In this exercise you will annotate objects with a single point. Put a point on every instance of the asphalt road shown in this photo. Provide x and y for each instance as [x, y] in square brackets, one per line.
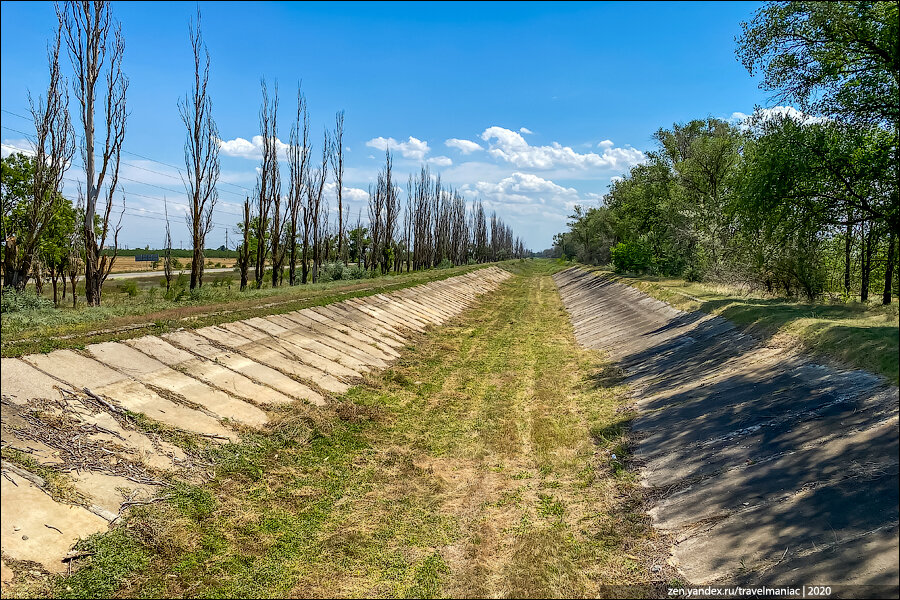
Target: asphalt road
[139, 274]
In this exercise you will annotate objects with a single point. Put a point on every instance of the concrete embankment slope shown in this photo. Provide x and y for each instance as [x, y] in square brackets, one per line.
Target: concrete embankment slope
[764, 466]
[72, 412]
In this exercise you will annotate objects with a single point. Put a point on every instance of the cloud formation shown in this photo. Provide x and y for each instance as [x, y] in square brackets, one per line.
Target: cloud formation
[242, 148]
[464, 146]
[440, 161]
[529, 189]
[511, 147]
[764, 114]
[413, 148]
[20, 146]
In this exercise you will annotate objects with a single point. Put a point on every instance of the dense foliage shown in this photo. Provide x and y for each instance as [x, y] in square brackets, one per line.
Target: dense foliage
[790, 202]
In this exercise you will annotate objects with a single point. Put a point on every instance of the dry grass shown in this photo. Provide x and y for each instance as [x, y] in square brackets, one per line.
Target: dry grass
[479, 465]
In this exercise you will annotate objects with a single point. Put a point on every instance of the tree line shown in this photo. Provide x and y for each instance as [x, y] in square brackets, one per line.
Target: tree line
[282, 229]
[800, 203]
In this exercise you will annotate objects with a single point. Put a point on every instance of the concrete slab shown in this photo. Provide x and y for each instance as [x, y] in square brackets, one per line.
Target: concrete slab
[361, 323]
[27, 513]
[110, 491]
[208, 371]
[22, 382]
[152, 372]
[343, 335]
[255, 371]
[76, 370]
[275, 358]
[760, 459]
[333, 343]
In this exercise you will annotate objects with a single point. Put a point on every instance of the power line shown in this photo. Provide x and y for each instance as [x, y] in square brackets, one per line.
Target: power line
[165, 164]
[220, 205]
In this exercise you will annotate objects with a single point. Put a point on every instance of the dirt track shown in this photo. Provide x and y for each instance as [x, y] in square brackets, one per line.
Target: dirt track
[764, 466]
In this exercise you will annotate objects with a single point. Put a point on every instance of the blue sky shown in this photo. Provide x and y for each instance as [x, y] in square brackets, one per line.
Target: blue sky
[558, 97]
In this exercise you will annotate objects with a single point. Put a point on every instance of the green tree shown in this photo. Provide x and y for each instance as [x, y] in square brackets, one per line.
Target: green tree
[833, 58]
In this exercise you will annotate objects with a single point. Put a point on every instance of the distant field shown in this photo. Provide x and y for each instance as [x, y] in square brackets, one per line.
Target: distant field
[128, 264]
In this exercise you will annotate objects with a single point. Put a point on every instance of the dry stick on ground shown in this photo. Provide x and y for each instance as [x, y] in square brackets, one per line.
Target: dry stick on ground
[86, 27]
[54, 146]
[201, 155]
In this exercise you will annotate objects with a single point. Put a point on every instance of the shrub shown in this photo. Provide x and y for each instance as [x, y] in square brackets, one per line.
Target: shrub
[354, 272]
[445, 264]
[334, 270]
[632, 256]
[14, 301]
[129, 287]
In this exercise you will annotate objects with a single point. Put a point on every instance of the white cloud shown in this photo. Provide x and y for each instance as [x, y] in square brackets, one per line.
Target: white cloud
[242, 148]
[348, 193]
[530, 193]
[761, 115]
[511, 147]
[20, 146]
[440, 161]
[464, 146]
[605, 144]
[413, 148]
[525, 130]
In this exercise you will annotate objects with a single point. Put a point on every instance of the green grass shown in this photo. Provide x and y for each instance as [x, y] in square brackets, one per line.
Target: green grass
[863, 336]
[471, 467]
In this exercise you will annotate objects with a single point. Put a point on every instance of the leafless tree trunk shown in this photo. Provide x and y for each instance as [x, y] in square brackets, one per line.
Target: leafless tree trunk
[54, 146]
[298, 156]
[268, 182]
[244, 249]
[337, 165]
[86, 27]
[76, 264]
[167, 253]
[201, 154]
[314, 205]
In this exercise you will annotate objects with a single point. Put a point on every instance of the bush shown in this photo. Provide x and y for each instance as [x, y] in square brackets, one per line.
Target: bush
[445, 264]
[354, 272]
[334, 270]
[14, 301]
[129, 287]
[633, 256]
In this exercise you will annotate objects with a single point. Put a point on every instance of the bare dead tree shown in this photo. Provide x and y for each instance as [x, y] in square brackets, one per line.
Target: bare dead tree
[314, 205]
[267, 181]
[87, 28]
[391, 212]
[54, 146]
[299, 178]
[337, 165]
[201, 154]
[244, 249]
[167, 253]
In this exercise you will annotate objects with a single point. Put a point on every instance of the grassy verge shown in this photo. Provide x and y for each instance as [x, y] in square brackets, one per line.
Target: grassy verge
[859, 335]
[123, 316]
[490, 460]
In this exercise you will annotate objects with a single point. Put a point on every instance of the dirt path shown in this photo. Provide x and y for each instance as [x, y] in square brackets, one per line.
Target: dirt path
[766, 467]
